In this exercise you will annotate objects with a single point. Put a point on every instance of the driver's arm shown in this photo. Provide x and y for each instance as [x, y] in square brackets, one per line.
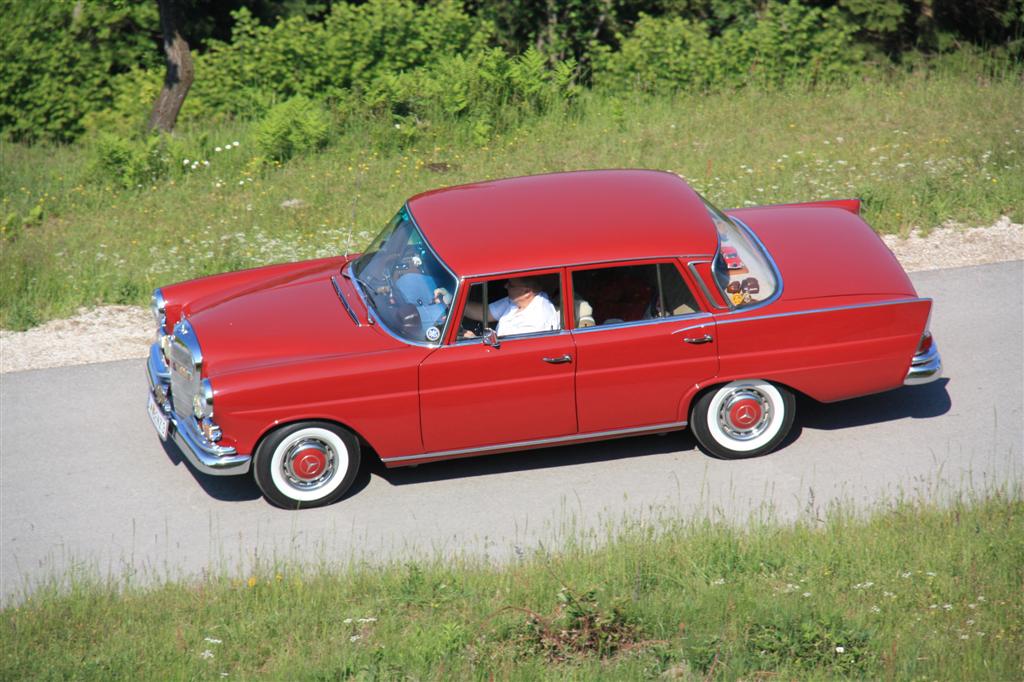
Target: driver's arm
[474, 311]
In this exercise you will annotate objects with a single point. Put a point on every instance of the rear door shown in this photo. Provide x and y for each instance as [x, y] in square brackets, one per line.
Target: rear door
[650, 343]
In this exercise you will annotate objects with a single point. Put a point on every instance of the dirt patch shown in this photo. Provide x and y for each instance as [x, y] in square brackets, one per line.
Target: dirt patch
[124, 332]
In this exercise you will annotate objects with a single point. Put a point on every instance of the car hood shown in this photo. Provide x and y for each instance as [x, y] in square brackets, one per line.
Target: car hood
[286, 318]
[824, 252]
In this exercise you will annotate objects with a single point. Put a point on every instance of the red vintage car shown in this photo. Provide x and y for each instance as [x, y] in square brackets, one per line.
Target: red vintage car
[530, 312]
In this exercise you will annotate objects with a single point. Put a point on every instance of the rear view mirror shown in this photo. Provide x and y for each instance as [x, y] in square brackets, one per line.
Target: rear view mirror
[490, 338]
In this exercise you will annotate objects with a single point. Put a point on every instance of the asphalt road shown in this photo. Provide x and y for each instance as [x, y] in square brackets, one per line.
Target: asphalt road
[85, 484]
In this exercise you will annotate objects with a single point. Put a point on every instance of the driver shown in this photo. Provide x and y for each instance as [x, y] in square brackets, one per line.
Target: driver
[525, 309]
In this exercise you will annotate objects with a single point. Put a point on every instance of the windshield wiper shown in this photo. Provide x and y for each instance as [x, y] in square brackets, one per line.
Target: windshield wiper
[368, 297]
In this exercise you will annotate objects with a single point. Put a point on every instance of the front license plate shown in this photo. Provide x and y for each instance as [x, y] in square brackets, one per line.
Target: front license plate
[160, 422]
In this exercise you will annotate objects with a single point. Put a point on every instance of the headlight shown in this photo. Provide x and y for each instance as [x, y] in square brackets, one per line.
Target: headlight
[158, 306]
[202, 402]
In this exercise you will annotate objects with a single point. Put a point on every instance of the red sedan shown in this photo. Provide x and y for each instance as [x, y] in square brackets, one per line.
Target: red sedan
[530, 312]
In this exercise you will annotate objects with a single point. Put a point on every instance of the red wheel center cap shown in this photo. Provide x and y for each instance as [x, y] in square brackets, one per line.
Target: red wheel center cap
[309, 464]
[745, 413]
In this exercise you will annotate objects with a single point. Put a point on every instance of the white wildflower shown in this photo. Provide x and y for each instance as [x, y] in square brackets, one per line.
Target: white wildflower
[235, 143]
[207, 654]
[718, 581]
[371, 619]
[185, 162]
[355, 638]
[347, 621]
[840, 650]
[212, 640]
[216, 149]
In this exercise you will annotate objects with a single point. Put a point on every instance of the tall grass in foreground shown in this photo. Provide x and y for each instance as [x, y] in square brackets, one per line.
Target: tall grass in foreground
[915, 591]
[920, 150]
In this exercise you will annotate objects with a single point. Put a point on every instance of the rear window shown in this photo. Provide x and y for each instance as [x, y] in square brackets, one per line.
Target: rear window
[742, 269]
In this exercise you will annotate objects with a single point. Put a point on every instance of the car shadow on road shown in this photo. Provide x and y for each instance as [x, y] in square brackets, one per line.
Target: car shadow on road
[242, 488]
[528, 460]
[910, 402]
[225, 488]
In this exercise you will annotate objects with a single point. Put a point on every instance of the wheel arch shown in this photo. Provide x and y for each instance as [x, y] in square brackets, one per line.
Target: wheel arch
[364, 445]
[700, 389]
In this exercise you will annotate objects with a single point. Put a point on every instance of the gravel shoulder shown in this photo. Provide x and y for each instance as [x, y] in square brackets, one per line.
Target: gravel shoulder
[109, 333]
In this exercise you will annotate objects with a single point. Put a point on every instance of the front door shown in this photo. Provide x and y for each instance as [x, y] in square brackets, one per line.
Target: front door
[520, 389]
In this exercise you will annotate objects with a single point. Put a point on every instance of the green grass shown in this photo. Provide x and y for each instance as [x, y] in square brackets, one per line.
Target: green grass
[912, 592]
[920, 150]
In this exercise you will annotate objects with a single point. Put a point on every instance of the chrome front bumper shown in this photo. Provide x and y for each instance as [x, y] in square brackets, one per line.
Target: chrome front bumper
[205, 456]
[925, 367]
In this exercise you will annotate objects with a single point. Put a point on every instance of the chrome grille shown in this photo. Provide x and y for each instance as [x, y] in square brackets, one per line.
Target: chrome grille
[186, 363]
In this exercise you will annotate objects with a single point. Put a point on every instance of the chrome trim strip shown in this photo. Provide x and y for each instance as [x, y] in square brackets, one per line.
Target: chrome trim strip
[854, 306]
[512, 273]
[704, 287]
[638, 323]
[513, 337]
[207, 457]
[924, 367]
[337, 290]
[542, 441]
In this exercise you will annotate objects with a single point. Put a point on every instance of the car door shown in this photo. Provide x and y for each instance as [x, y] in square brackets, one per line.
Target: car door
[650, 343]
[517, 388]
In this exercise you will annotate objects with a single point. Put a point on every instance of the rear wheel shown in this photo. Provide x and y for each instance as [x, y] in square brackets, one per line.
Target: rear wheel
[743, 418]
[309, 464]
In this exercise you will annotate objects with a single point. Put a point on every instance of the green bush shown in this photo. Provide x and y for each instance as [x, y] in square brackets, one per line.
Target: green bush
[132, 163]
[486, 86]
[787, 42]
[57, 61]
[293, 127]
[348, 51]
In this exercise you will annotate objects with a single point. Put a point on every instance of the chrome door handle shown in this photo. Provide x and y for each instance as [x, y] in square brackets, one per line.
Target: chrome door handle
[560, 360]
[701, 339]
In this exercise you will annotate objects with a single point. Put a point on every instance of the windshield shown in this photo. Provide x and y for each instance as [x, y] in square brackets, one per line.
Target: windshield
[404, 282]
[742, 268]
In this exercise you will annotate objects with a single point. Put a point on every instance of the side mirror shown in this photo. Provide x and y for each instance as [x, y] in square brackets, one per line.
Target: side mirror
[490, 338]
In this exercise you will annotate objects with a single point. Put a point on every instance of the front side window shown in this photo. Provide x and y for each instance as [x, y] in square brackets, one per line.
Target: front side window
[742, 268]
[630, 293]
[405, 283]
[512, 306]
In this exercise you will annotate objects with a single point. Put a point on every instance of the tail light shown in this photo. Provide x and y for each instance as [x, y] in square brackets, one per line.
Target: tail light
[926, 343]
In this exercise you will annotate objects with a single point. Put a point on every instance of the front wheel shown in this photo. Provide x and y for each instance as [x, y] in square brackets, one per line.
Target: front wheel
[309, 464]
[743, 418]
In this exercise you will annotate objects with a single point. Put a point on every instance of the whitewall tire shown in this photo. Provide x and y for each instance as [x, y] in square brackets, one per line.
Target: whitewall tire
[743, 418]
[309, 464]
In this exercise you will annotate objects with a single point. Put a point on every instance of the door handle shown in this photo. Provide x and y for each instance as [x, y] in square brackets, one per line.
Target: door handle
[700, 339]
[560, 360]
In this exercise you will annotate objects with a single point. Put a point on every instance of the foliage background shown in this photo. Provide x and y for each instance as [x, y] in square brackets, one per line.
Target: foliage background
[74, 66]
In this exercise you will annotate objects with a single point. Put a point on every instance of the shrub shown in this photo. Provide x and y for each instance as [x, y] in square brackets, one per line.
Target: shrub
[787, 42]
[293, 127]
[131, 162]
[57, 60]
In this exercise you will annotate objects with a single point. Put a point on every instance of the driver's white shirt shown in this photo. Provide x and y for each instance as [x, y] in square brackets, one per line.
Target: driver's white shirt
[539, 316]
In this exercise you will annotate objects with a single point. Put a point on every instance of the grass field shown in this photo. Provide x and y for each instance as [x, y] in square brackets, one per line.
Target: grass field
[912, 592]
[919, 149]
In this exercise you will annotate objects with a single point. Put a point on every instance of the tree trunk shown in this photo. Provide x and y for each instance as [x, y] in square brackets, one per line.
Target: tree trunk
[180, 71]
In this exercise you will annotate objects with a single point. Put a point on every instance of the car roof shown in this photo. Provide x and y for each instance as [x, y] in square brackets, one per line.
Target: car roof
[544, 221]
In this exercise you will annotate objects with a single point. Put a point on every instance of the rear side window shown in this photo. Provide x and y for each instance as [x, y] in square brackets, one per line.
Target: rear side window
[630, 293]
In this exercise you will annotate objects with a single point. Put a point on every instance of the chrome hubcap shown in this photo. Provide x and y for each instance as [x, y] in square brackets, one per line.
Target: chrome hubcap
[309, 463]
[744, 414]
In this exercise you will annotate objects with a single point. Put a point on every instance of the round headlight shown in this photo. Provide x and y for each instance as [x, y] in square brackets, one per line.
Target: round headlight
[202, 402]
